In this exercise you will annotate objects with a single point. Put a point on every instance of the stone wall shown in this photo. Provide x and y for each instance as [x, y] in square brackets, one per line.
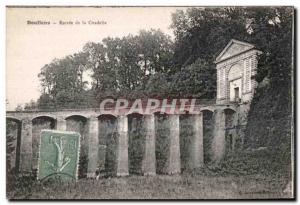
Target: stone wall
[121, 145]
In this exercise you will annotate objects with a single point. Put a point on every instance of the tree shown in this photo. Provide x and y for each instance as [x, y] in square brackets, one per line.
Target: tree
[19, 108]
[202, 33]
[123, 66]
[272, 32]
[136, 65]
[195, 81]
[271, 107]
[155, 50]
[32, 105]
[102, 61]
[62, 82]
[159, 85]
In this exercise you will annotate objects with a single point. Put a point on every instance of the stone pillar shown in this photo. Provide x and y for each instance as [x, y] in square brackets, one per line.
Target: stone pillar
[61, 124]
[218, 144]
[149, 161]
[26, 146]
[93, 147]
[174, 165]
[241, 119]
[197, 158]
[122, 152]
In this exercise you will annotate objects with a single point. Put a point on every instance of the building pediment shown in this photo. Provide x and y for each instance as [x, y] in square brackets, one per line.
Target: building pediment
[233, 48]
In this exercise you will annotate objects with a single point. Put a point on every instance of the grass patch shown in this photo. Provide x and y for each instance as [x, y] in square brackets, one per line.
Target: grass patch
[196, 185]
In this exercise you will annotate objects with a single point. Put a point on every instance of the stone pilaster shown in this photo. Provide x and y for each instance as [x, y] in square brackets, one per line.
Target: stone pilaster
[122, 152]
[61, 124]
[149, 161]
[197, 157]
[93, 146]
[218, 144]
[174, 165]
[26, 146]
[241, 118]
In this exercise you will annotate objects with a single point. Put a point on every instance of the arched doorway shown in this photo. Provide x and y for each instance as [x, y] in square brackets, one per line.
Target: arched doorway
[230, 130]
[38, 124]
[13, 145]
[78, 123]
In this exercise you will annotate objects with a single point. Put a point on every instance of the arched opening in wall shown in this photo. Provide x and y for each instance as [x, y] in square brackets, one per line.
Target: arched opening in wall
[38, 124]
[136, 143]
[186, 122]
[208, 129]
[108, 145]
[230, 130]
[162, 142]
[13, 146]
[78, 123]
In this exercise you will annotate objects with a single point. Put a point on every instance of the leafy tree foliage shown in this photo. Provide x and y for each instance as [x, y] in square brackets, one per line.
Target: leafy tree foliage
[149, 64]
[203, 33]
[272, 33]
[62, 82]
[124, 65]
[32, 105]
[195, 81]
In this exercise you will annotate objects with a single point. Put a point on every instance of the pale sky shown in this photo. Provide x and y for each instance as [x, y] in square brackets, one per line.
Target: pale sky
[30, 47]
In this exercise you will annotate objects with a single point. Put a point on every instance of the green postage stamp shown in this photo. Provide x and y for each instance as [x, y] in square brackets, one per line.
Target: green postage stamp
[58, 154]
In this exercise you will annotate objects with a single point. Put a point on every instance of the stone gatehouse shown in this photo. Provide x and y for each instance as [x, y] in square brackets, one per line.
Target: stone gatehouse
[168, 143]
[236, 66]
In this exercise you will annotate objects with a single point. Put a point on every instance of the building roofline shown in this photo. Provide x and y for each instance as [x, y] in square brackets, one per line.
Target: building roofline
[228, 45]
[219, 61]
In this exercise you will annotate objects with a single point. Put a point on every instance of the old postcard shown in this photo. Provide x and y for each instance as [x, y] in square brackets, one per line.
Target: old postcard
[149, 103]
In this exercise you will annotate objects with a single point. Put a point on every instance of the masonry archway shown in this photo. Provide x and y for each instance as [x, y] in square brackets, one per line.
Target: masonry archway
[230, 130]
[39, 123]
[108, 145]
[13, 144]
[78, 123]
